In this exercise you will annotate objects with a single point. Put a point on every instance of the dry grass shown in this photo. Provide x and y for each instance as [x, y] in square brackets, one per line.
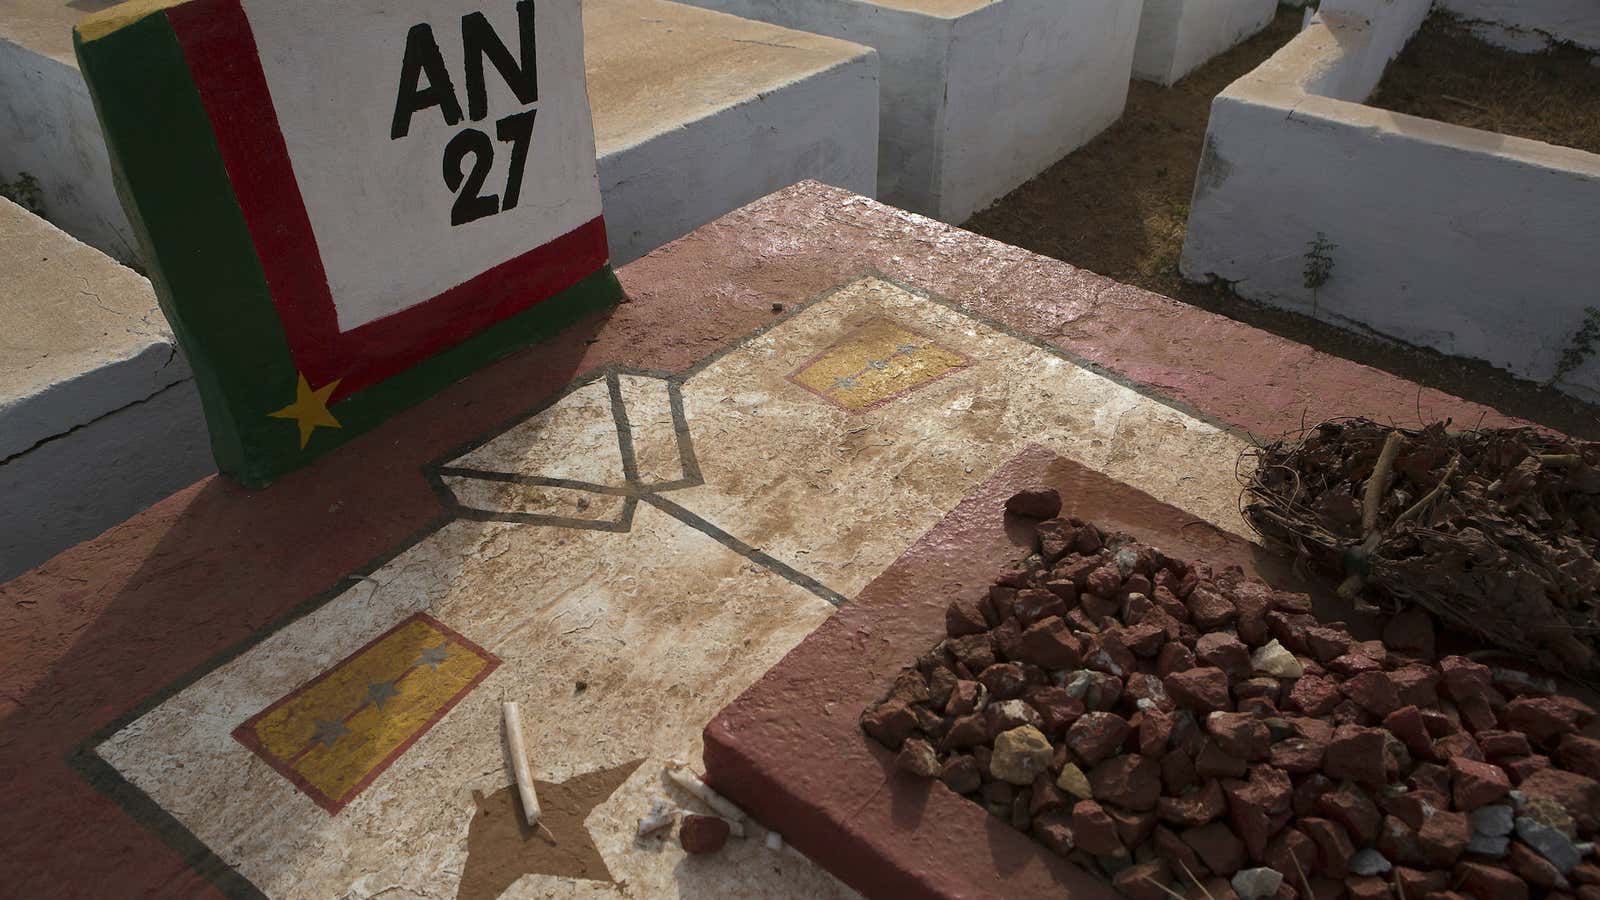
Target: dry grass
[1448, 75]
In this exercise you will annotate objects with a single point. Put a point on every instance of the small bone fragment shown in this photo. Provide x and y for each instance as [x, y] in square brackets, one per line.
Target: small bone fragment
[662, 814]
[519, 763]
[774, 841]
[684, 777]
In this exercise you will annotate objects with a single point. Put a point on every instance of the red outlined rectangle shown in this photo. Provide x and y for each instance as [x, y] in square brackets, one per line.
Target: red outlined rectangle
[246, 734]
[221, 52]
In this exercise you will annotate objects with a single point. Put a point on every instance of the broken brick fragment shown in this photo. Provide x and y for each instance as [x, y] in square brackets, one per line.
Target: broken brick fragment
[1203, 688]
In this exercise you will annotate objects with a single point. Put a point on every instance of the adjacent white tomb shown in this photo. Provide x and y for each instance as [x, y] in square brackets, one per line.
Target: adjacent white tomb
[1472, 243]
[1178, 36]
[978, 95]
[98, 412]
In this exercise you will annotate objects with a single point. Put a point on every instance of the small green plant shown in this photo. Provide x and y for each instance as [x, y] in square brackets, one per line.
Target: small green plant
[24, 192]
[1585, 343]
[1319, 267]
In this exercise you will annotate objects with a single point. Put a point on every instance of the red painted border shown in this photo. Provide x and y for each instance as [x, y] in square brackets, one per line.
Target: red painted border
[245, 732]
[794, 376]
[223, 60]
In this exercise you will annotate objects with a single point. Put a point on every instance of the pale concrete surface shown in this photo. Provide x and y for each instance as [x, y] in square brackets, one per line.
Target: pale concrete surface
[1178, 36]
[831, 479]
[977, 97]
[697, 113]
[98, 413]
[1531, 26]
[1472, 243]
[48, 127]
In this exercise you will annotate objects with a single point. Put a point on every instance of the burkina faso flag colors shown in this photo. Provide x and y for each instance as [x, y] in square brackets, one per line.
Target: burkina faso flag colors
[344, 207]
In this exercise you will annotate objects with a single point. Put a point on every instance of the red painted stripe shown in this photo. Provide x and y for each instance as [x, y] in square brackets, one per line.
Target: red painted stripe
[245, 732]
[223, 60]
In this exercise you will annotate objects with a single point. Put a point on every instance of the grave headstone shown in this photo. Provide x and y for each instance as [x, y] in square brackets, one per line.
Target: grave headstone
[345, 208]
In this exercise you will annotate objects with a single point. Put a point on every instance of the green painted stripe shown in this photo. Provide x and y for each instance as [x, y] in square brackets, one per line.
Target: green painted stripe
[170, 176]
[172, 181]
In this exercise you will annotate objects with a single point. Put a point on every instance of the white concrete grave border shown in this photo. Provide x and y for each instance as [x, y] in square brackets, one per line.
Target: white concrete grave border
[1472, 243]
[979, 96]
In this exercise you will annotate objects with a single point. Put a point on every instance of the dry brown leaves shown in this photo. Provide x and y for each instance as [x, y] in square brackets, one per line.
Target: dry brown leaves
[1508, 549]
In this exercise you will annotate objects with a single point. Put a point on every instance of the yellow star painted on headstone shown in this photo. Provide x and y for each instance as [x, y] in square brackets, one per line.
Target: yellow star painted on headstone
[309, 409]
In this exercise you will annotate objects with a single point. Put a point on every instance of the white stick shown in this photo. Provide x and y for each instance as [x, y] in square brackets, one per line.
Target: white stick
[519, 763]
[685, 778]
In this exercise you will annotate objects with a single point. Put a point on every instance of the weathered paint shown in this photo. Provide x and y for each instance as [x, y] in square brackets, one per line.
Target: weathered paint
[1530, 26]
[112, 628]
[978, 97]
[1434, 227]
[261, 268]
[98, 414]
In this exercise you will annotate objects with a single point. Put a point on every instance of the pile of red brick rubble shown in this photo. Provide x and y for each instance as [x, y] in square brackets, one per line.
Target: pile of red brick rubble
[1185, 730]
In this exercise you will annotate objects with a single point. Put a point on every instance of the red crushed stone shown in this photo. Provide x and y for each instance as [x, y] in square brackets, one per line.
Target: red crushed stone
[1137, 671]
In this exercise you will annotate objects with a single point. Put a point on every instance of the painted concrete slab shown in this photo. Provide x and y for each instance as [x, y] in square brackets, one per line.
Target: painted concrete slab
[91, 382]
[1178, 36]
[694, 115]
[626, 596]
[697, 113]
[978, 95]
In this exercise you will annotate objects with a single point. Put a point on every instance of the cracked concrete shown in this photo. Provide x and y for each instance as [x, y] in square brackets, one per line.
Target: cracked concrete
[98, 412]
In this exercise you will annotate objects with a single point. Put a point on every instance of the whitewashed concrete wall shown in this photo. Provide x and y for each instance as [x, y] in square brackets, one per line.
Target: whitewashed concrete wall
[1530, 26]
[978, 97]
[48, 129]
[99, 416]
[1475, 244]
[710, 135]
[1178, 36]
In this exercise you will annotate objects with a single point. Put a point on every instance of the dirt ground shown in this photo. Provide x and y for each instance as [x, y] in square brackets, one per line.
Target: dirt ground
[1120, 207]
[1448, 75]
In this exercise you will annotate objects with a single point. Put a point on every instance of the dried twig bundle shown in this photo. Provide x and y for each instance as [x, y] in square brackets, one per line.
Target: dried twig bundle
[1495, 531]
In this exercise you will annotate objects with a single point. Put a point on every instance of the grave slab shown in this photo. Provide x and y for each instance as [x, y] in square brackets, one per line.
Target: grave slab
[978, 96]
[623, 527]
[697, 113]
[98, 414]
[48, 128]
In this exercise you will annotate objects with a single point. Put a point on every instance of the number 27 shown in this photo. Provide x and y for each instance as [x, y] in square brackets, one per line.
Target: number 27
[471, 205]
